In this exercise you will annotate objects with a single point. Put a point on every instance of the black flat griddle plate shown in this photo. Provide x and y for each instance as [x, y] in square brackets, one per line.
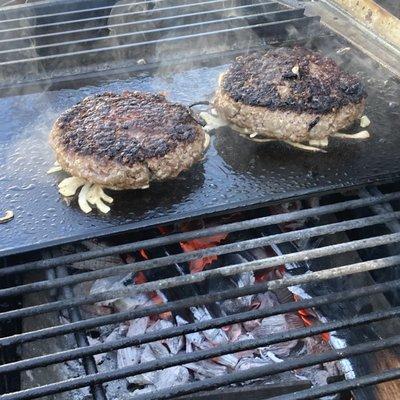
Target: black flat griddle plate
[236, 173]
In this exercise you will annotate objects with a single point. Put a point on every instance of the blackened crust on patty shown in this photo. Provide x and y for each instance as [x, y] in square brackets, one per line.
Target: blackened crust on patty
[126, 128]
[128, 140]
[269, 81]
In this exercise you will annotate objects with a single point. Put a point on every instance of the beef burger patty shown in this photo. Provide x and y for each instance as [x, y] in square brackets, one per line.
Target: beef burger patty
[124, 141]
[289, 94]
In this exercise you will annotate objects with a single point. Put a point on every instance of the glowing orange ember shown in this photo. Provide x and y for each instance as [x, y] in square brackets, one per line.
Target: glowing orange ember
[308, 319]
[143, 253]
[154, 296]
[199, 244]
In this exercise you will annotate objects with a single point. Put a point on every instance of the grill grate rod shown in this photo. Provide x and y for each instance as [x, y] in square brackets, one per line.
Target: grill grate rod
[196, 234]
[217, 323]
[259, 372]
[334, 388]
[271, 285]
[82, 30]
[88, 361]
[300, 22]
[206, 384]
[224, 249]
[393, 226]
[338, 387]
[25, 18]
[290, 14]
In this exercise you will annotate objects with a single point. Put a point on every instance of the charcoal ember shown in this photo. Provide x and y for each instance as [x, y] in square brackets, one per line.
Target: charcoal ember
[159, 350]
[232, 306]
[174, 344]
[215, 336]
[98, 358]
[318, 376]
[265, 300]
[115, 282]
[98, 263]
[172, 376]
[206, 369]
[138, 326]
[203, 340]
[234, 332]
[89, 310]
[118, 283]
[147, 389]
[147, 378]
[249, 326]
[128, 356]
[294, 321]
[282, 208]
[284, 295]
[164, 378]
[272, 325]
[192, 340]
[133, 354]
[315, 344]
[246, 363]
[228, 360]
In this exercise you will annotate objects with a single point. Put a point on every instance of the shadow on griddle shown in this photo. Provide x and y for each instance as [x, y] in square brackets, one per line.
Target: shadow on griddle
[267, 157]
[169, 193]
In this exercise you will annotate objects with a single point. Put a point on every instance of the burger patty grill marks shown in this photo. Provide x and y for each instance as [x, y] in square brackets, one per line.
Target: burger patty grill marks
[293, 95]
[126, 128]
[319, 86]
[124, 141]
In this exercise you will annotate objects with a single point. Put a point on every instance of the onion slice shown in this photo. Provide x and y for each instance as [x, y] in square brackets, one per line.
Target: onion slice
[211, 121]
[305, 147]
[82, 198]
[95, 197]
[363, 135]
[69, 186]
[8, 216]
[56, 168]
[319, 142]
[104, 196]
[364, 121]
[206, 141]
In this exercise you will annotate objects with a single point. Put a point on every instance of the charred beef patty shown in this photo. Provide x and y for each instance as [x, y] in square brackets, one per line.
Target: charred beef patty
[124, 141]
[289, 94]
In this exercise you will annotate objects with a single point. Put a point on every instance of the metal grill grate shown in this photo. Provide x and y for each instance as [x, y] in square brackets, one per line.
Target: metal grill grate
[46, 41]
[382, 213]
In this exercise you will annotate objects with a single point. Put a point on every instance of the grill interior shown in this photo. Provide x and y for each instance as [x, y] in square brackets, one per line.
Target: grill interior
[341, 252]
[367, 225]
[58, 40]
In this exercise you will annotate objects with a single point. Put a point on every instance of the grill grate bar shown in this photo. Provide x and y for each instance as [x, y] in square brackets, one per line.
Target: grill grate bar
[25, 18]
[271, 285]
[299, 22]
[216, 323]
[211, 383]
[81, 339]
[196, 234]
[276, 14]
[338, 387]
[259, 372]
[141, 22]
[224, 249]
[393, 226]
[85, 352]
